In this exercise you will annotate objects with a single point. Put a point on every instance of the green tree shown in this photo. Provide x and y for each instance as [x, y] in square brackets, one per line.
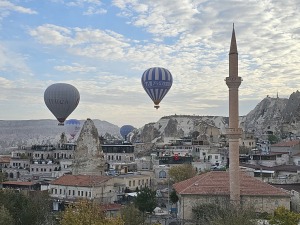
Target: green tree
[5, 217]
[182, 172]
[87, 213]
[131, 215]
[173, 196]
[283, 216]
[30, 209]
[272, 138]
[146, 200]
[214, 214]
[3, 176]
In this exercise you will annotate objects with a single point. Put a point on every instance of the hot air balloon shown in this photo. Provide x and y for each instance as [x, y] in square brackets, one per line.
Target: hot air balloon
[61, 99]
[72, 127]
[157, 81]
[125, 130]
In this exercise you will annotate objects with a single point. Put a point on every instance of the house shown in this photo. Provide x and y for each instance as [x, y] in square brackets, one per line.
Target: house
[4, 161]
[213, 187]
[69, 188]
[291, 147]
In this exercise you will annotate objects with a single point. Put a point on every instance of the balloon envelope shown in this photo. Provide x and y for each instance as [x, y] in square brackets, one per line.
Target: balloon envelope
[72, 127]
[61, 99]
[157, 81]
[125, 130]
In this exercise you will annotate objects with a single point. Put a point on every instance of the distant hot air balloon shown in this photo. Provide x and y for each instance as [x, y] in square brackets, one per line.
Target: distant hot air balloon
[157, 81]
[72, 127]
[61, 99]
[125, 130]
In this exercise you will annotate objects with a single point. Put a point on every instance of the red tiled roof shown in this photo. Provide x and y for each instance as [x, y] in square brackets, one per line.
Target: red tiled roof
[217, 183]
[80, 180]
[20, 183]
[286, 143]
[112, 207]
[5, 159]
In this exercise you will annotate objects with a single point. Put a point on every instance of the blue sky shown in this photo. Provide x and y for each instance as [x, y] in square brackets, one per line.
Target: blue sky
[103, 48]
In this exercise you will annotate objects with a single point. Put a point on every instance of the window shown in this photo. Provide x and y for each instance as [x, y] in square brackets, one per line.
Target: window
[134, 183]
[78, 194]
[69, 192]
[139, 182]
[60, 191]
[55, 191]
[130, 183]
[216, 157]
[73, 192]
[162, 174]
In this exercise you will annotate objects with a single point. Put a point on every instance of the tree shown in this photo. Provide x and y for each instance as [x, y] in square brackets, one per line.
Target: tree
[182, 172]
[173, 197]
[272, 138]
[87, 213]
[283, 216]
[30, 209]
[146, 200]
[214, 214]
[131, 215]
[5, 217]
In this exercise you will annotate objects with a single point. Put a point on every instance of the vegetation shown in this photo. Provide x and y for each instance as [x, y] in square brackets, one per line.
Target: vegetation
[214, 214]
[25, 209]
[5, 217]
[283, 216]
[273, 139]
[146, 200]
[87, 213]
[182, 172]
[173, 196]
[131, 215]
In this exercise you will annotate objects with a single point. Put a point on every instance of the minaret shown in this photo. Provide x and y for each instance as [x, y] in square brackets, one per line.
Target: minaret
[234, 132]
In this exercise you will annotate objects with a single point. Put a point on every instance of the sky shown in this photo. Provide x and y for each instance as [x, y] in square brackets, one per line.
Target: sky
[103, 47]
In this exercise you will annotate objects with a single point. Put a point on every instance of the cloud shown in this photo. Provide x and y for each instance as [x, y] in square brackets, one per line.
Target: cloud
[6, 7]
[75, 67]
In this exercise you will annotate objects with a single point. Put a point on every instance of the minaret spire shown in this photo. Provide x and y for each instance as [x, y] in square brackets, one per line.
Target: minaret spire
[233, 132]
[233, 46]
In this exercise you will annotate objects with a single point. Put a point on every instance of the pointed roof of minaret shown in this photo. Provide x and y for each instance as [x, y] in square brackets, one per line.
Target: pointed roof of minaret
[233, 47]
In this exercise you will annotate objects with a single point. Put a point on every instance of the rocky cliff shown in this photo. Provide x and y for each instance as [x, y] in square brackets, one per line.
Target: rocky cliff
[88, 157]
[279, 116]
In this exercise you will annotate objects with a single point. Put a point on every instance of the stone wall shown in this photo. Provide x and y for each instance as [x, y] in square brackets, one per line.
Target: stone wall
[260, 203]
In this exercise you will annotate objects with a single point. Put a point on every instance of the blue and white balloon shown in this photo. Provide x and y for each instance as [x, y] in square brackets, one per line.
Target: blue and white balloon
[125, 130]
[72, 127]
[157, 81]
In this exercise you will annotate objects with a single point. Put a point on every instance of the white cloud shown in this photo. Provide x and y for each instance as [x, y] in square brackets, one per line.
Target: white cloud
[75, 67]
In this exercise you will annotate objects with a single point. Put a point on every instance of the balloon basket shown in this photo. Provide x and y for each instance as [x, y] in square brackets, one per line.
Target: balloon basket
[156, 106]
[61, 124]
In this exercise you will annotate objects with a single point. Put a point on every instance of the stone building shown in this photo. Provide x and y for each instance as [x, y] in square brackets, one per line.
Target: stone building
[88, 156]
[213, 187]
[69, 188]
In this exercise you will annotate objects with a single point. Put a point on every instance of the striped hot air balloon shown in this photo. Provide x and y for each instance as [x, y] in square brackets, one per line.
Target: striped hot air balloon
[157, 81]
[61, 99]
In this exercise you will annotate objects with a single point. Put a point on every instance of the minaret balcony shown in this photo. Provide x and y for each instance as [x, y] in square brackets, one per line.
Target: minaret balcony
[233, 82]
[234, 133]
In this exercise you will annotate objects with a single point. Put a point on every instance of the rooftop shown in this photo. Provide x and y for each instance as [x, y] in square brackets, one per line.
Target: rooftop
[217, 183]
[286, 143]
[80, 180]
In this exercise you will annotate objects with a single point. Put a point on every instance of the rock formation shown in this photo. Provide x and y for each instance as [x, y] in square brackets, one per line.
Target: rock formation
[88, 156]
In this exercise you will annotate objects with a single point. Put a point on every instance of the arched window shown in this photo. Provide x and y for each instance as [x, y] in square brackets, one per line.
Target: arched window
[162, 174]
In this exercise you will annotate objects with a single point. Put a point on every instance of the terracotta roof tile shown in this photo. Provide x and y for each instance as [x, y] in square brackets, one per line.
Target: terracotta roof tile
[286, 143]
[80, 180]
[112, 207]
[5, 159]
[217, 183]
[20, 183]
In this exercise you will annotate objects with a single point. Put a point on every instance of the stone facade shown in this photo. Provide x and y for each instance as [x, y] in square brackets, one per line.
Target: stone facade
[260, 203]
